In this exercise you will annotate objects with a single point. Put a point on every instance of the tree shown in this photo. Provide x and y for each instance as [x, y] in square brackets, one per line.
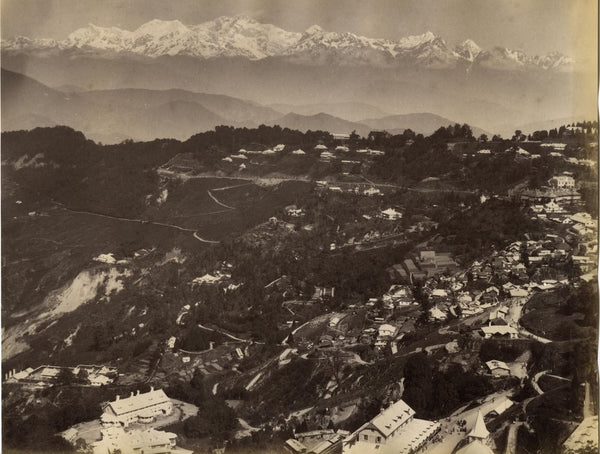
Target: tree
[483, 138]
[82, 376]
[65, 377]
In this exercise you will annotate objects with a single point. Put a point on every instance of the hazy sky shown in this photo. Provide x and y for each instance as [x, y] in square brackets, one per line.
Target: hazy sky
[535, 26]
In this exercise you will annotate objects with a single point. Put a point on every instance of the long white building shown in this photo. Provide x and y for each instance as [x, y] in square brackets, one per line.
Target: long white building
[138, 407]
[395, 430]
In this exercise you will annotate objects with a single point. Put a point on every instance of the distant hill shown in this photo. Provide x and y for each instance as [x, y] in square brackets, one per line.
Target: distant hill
[110, 116]
[320, 121]
[113, 115]
[421, 123]
[232, 110]
[351, 111]
[549, 124]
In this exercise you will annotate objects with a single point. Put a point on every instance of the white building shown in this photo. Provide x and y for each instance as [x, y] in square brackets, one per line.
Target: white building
[563, 181]
[395, 430]
[372, 191]
[139, 407]
[391, 214]
[498, 368]
[149, 441]
[499, 331]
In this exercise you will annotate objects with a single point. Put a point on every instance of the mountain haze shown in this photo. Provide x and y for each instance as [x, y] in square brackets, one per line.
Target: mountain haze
[337, 73]
[241, 36]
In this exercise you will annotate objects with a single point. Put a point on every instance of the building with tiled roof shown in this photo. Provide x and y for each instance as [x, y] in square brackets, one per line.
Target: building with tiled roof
[142, 407]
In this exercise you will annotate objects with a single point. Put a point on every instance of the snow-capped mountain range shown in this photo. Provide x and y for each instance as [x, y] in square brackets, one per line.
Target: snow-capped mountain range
[240, 36]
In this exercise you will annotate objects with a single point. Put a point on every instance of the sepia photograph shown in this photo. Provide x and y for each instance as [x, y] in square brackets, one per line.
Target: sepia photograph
[299, 227]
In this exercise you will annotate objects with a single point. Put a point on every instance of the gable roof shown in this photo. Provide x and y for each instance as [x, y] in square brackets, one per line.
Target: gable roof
[391, 418]
[138, 402]
[502, 406]
[475, 447]
[499, 329]
[479, 430]
[495, 364]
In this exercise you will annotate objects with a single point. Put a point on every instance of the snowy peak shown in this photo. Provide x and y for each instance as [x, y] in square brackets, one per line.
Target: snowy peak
[313, 30]
[555, 60]
[244, 37]
[469, 50]
[410, 42]
[158, 27]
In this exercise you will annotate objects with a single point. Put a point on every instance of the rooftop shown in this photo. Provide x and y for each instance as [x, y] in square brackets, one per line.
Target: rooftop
[138, 401]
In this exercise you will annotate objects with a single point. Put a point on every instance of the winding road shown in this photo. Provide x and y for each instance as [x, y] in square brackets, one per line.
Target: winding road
[142, 221]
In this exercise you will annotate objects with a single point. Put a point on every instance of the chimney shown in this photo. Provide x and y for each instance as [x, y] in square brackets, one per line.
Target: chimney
[117, 399]
[137, 392]
[151, 388]
[131, 395]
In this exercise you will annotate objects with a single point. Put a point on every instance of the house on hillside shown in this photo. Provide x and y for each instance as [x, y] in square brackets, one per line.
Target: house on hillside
[371, 191]
[138, 407]
[395, 429]
[498, 368]
[562, 181]
[499, 331]
[148, 441]
[391, 214]
[504, 404]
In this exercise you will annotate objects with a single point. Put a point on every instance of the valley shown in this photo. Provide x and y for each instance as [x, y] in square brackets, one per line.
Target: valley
[240, 227]
[294, 301]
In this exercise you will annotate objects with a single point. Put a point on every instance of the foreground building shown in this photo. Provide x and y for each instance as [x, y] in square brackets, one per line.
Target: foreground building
[138, 407]
[116, 440]
[395, 430]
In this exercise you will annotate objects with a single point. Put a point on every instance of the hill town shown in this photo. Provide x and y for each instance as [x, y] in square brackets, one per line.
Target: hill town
[268, 290]
[299, 227]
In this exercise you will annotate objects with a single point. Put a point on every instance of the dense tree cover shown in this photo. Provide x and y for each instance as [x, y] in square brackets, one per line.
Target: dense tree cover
[584, 300]
[227, 139]
[587, 127]
[436, 394]
[293, 386]
[214, 418]
[198, 339]
[83, 175]
[53, 410]
[500, 350]
[494, 223]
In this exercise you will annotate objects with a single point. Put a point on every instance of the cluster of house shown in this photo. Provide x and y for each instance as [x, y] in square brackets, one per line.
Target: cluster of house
[125, 430]
[513, 284]
[47, 375]
[294, 211]
[395, 430]
[358, 189]
[327, 441]
[220, 275]
[519, 152]
[426, 264]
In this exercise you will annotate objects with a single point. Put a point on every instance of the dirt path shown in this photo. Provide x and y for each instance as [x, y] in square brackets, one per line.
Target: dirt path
[511, 442]
[147, 222]
[239, 339]
[217, 201]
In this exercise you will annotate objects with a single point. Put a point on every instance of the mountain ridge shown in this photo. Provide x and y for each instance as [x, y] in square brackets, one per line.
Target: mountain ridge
[111, 116]
[241, 36]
